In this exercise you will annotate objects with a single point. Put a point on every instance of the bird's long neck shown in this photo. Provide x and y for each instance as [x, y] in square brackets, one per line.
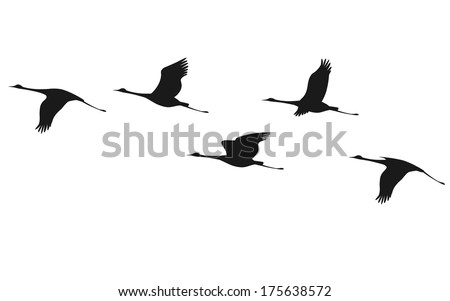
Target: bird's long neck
[134, 93]
[281, 101]
[31, 89]
[210, 157]
[373, 160]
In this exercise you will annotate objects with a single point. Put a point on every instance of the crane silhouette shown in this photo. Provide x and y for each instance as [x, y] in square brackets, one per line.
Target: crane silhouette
[240, 152]
[395, 171]
[169, 86]
[55, 101]
[312, 101]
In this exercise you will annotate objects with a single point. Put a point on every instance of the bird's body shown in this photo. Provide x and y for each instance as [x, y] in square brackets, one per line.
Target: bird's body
[395, 171]
[237, 162]
[55, 100]
[241, 151]
[312, 101]
[168, 88]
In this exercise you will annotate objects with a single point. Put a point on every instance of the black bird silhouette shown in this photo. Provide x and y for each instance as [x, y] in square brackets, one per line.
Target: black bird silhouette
[240, 152]
[169, 86]
[55, 101]
[317, 87]
[395, 171]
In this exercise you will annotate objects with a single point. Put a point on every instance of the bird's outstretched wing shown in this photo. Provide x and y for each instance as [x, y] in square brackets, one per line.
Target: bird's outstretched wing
[170, 82]
[388, 180]
[48, 110]
[302, 110]
[318, 83]
[245, 147]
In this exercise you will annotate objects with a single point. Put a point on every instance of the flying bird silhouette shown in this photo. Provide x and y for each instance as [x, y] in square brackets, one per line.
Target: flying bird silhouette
[395, 171]
[55, 101]
[240, 152]
[169, 86]
[317, 87]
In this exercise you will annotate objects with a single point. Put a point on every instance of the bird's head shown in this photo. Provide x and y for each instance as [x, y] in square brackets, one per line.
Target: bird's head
[195, 155]
[17, 86]
[357, 157]
[121, 90]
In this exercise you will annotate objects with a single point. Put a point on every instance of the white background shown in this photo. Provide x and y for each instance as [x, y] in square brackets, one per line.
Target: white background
[77, 226]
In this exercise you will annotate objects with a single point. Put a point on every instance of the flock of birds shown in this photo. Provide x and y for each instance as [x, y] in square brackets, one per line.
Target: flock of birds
[241, 151]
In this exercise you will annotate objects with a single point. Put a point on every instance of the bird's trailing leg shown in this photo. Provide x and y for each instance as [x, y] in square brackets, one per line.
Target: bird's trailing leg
[186, 105]
[434, 179]
[92, 106]
[279, 168]
[262, 164]
[336, 109]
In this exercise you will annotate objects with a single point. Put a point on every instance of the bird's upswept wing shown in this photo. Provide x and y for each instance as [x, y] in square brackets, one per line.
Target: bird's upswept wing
[170, 82]
[388, 180]
[48, 110]
[318, 83]
[245, 147]
[403, 162]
